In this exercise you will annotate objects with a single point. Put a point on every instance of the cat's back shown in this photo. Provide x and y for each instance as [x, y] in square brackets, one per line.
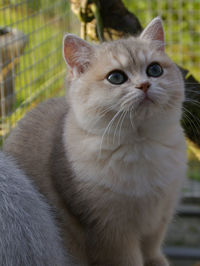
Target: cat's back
[28, 232]
[35, 131]
[31, 144]
[32, 140]
[37, 146]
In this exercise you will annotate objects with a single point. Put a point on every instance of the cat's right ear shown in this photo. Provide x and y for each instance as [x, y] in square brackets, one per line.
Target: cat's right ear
[155, 32]
[77, 54]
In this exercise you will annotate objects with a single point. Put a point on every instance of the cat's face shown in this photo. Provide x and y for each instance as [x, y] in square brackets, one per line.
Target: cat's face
[130, 79]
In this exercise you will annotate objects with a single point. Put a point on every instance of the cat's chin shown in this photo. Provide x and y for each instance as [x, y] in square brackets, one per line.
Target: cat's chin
[146, 101]
[146, 108]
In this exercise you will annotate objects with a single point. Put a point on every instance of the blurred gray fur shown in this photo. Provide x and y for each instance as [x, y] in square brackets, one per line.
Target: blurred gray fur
[28, 234]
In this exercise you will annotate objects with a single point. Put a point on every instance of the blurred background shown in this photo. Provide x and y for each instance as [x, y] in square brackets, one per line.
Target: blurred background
[32, 69]
[31, 64]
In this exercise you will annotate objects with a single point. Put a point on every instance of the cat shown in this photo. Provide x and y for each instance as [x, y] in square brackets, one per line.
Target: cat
[29, 235]
[110, 155]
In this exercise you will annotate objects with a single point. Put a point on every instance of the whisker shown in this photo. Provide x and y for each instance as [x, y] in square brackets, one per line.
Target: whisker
[193, 90]
[193, 101]
[106, 129]
[128, 95]
[125, 113]
[107, 109]
[130, 116]
[102, 113]
[127, 101]
[117, 126]
[195, 123]
[197, 120]
[192, 83]
[188, 120]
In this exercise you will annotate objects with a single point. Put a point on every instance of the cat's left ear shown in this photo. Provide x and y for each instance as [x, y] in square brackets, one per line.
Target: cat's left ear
[155, 32]
[77, 54]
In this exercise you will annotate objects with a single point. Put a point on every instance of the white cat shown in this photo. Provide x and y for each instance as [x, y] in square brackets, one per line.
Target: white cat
[113, 157]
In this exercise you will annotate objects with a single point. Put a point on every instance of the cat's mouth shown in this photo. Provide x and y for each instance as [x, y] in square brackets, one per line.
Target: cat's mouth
[137, 101]
[146, 99]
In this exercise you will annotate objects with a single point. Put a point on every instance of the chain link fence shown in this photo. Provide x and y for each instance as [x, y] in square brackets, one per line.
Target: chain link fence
[182, 28]
[31, 64]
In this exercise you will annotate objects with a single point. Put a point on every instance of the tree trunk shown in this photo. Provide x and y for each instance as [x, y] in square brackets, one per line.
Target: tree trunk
[112, 20]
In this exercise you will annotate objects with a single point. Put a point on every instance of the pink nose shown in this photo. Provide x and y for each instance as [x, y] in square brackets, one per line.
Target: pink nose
[144, 86]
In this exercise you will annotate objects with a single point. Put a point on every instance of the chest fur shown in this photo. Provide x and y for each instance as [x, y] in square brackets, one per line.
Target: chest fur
[139, 169]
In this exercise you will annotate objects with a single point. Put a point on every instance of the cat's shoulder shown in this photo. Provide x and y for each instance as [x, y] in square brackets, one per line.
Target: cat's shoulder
[44, 116]
[37, 127]
[51, 107]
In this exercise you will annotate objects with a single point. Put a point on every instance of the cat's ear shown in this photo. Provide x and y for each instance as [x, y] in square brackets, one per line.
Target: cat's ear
[77, 53]
[155, 32]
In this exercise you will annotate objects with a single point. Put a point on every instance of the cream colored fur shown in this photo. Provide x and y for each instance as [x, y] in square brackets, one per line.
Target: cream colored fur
[126, 154]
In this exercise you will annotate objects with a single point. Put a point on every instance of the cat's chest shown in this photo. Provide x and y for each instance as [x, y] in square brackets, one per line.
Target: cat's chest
[136, 168]
[139, 161]
[117, 210]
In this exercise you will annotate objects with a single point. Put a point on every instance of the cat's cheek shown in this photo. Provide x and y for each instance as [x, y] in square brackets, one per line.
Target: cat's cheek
[159, 98]
[107, 96]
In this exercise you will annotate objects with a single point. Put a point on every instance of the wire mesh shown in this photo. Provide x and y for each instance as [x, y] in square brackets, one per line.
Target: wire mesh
[182, 28]
[31, 64]
[32, 68]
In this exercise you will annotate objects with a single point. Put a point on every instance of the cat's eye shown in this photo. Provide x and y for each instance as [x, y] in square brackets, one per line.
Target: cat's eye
[117, 77]
[154, 70]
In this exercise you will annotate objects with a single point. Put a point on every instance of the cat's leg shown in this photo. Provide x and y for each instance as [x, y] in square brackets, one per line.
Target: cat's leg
[151, 247]
[159, 260]
[114, 253]
[116, 260]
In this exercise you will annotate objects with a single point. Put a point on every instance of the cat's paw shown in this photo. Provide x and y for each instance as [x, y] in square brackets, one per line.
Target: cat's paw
[159, 261]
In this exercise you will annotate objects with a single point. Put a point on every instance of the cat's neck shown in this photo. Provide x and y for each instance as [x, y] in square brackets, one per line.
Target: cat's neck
[165, 133]
[95, 158]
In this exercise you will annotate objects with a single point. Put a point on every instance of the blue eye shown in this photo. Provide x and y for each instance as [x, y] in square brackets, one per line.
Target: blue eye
[117, 77]
[154, 70]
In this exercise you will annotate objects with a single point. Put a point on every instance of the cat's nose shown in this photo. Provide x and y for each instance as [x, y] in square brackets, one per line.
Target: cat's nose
[144, 86]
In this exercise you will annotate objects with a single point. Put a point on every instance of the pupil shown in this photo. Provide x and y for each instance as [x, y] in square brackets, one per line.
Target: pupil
[117, 77]
[154, 70]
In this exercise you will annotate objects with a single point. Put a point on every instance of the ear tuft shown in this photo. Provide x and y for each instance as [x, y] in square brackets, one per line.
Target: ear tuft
[155, 32]
[77, 53]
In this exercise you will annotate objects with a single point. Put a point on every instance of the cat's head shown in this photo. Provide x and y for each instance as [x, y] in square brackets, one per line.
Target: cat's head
[129, 79]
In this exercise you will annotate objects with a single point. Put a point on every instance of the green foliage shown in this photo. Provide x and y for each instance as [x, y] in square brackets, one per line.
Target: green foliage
[193, 166]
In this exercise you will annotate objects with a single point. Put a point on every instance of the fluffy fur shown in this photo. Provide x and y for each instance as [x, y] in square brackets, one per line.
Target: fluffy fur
[28, 232]
[112, 159]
